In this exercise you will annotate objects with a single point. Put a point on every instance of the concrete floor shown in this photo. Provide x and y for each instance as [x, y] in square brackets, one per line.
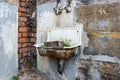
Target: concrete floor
[31, 74]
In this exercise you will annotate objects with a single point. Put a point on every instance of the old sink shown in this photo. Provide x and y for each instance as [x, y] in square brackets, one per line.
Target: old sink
[61, 44]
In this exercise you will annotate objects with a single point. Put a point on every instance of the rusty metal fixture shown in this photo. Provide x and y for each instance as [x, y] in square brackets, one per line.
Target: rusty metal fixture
[58, 9]
[57, 50]
[68, 9]
[61, 65]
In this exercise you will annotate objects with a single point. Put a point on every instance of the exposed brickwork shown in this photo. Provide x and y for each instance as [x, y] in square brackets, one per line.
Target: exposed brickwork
[26, 32]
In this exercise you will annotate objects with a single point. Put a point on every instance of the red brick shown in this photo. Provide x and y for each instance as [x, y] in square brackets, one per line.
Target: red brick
[23, 40]
[23, 50]
[23, 29]
[23, 14]
[24, 34]
[19, 14]
[19, 35]
[21, 9]
[24, 45]
[28, 44]
[19, 45]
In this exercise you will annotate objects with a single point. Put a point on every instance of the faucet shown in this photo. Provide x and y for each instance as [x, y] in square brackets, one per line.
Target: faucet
[58, 9]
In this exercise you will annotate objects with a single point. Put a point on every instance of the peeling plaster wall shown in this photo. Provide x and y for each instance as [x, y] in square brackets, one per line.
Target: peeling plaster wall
[8, 40]
[102, 22]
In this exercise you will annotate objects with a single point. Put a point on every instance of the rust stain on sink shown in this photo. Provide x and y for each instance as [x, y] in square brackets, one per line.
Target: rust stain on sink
[56, 49]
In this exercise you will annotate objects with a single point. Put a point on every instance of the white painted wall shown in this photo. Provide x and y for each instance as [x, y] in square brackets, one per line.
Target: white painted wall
[8, 40]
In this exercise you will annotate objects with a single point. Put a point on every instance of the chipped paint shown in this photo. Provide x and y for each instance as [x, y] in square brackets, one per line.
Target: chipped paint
[103, 24]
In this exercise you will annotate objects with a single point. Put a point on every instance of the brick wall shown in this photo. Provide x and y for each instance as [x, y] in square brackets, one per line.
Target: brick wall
[26, 32]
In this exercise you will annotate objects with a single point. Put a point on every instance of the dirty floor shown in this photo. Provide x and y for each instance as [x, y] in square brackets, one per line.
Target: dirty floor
[31, 74]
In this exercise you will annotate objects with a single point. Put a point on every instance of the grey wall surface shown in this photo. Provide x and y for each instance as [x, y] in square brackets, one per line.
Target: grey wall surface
[8, 40]
[102, 23]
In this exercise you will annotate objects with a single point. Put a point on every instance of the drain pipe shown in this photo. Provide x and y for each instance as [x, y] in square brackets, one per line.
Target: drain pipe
[61, 65]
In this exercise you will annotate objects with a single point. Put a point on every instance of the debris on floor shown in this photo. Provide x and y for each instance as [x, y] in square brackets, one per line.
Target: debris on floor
[31, 74]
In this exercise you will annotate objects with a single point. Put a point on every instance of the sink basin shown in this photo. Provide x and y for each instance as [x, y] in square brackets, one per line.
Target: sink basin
[61, 44]
[56, 49]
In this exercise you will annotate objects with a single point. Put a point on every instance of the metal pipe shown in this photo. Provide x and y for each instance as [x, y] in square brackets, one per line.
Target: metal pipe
[61, 66]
